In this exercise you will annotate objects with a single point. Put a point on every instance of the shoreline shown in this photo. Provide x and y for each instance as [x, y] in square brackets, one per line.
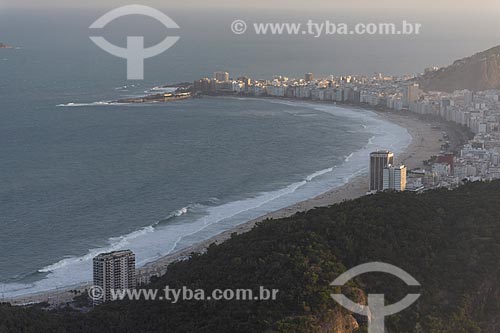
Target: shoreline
[425, 142]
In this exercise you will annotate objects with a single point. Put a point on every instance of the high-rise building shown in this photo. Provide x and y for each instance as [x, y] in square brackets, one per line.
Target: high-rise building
[468, 97]
[221, 76]
[309, 77]
[378, 161]
[114, 271]
[202, 85]
[412, 94]
[395, 178]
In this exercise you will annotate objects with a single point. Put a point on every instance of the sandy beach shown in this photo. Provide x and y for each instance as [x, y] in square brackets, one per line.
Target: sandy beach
[426, 141]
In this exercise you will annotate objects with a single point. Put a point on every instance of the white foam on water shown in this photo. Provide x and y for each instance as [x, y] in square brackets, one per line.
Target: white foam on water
[152, 242]
[157, 90]
[100, 103]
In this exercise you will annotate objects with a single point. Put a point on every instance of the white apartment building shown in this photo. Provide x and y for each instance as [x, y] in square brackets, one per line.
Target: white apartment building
[395, 178]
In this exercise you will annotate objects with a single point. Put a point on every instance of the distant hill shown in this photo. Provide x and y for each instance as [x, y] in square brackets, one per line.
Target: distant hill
[476, 73]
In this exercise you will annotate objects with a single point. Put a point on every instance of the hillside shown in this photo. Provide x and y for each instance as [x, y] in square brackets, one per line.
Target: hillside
[448, 240]
[477, 73]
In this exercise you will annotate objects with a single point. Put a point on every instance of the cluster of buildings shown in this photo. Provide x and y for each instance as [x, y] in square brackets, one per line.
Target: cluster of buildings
[375, 91]
[479, 112]
[479, 159]
[384, 174]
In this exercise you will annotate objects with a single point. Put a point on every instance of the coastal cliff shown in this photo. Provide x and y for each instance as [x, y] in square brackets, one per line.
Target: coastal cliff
[477, 73]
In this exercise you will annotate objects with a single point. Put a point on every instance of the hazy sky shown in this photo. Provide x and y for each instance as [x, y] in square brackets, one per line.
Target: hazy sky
[452, 6]
[452, 29]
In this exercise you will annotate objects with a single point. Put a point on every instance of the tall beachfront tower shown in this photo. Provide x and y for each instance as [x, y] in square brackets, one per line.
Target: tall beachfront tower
[114, 271]
[378, 161]
[395, 178]
[412, 94]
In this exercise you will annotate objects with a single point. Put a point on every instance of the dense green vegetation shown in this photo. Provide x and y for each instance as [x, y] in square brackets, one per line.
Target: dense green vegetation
[448, 240]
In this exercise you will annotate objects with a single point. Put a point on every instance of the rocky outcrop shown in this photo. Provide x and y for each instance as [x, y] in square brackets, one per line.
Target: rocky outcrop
[338, 322]
[476, 73]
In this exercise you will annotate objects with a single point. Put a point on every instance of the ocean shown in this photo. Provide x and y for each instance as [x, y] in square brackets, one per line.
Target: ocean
[80, 176]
